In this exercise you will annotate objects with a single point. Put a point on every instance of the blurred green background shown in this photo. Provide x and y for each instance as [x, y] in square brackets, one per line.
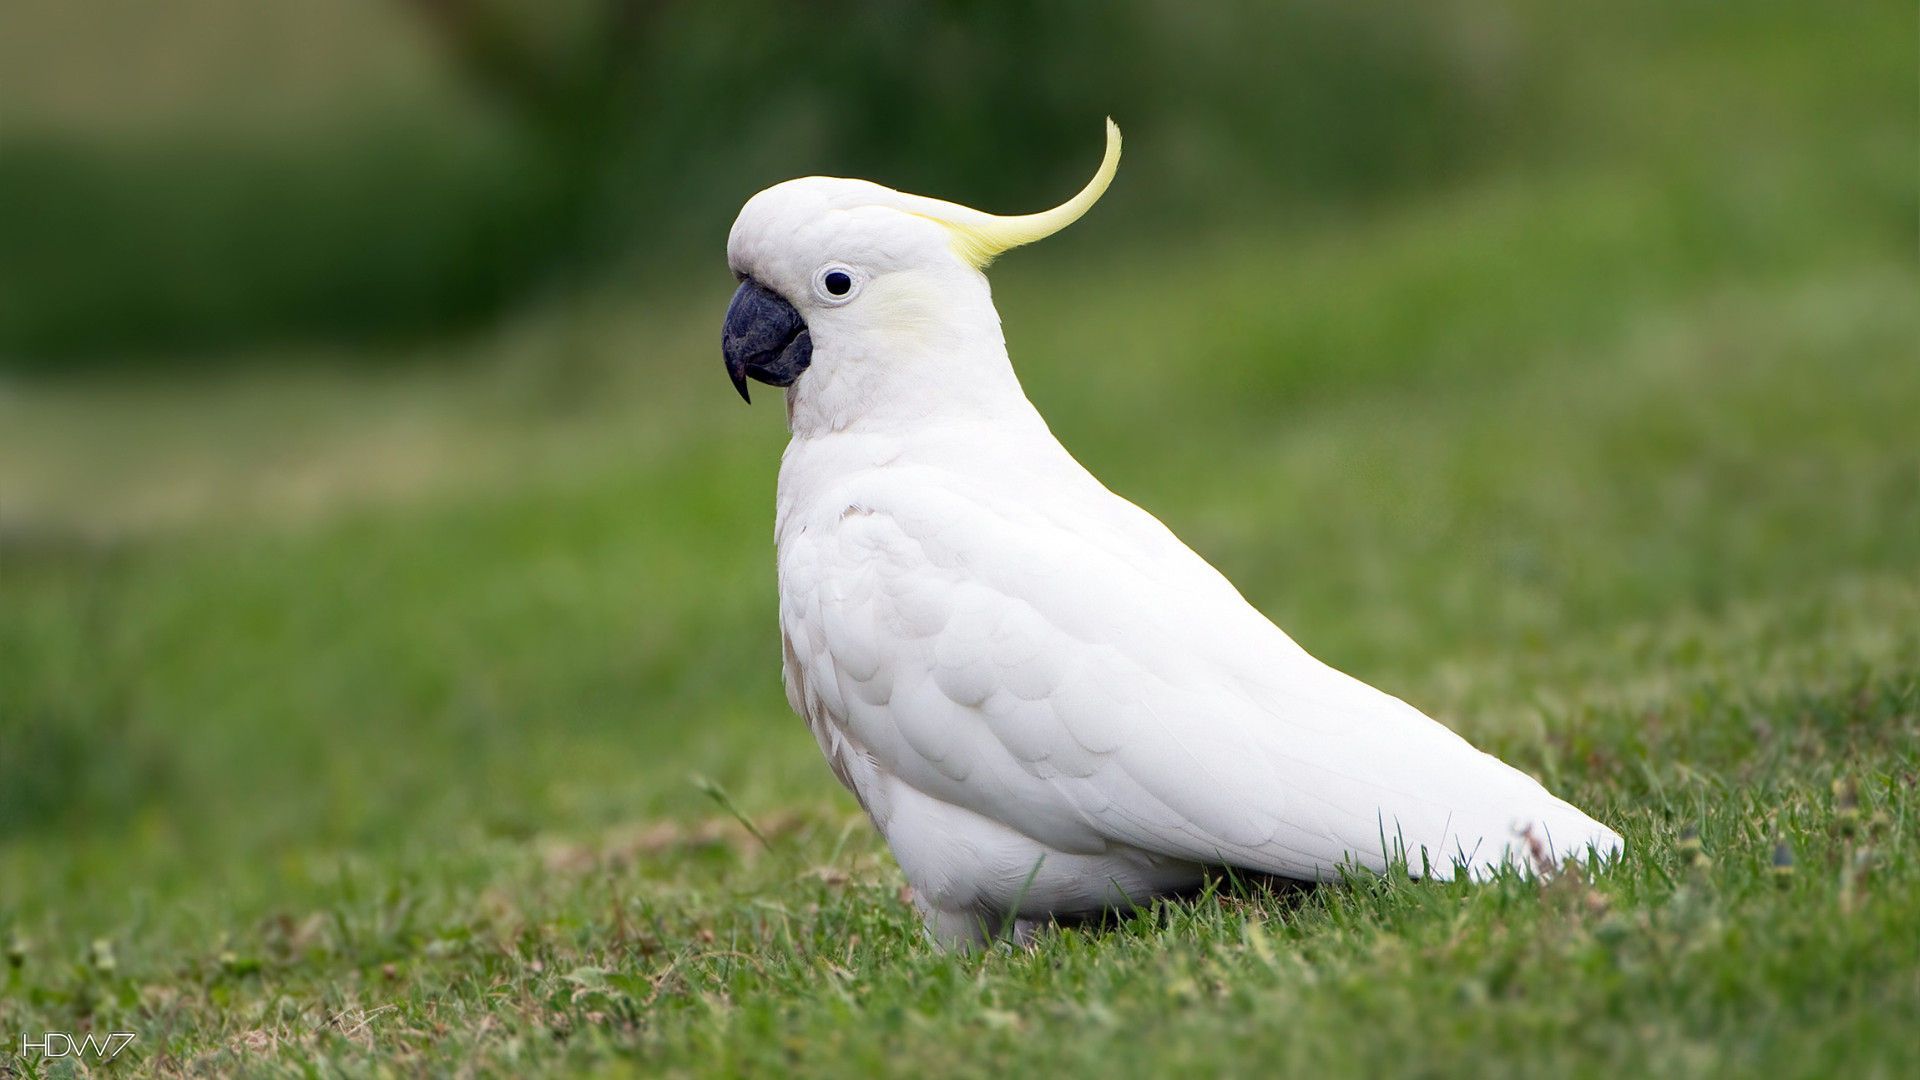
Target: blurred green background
[371, 492]
[400, 168]
[191, 179]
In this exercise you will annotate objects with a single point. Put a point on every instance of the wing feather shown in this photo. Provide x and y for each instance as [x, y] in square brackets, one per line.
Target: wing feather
[1121, 692]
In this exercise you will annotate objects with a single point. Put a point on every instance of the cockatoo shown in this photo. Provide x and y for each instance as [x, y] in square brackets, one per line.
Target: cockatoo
[1047, 703]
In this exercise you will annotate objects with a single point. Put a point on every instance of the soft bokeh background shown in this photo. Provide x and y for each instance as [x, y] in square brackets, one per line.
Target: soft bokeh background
[371, 493]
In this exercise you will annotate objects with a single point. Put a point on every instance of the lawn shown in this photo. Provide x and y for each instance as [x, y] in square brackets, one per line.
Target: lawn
[418, 717]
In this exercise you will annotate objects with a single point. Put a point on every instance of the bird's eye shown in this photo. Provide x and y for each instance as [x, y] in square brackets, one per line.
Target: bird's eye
[835, 284]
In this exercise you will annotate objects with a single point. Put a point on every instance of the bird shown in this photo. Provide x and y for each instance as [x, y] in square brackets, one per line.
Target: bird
[1049, 706]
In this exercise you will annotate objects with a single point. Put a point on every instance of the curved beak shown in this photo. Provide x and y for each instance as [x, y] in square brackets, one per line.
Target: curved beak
[763, 338]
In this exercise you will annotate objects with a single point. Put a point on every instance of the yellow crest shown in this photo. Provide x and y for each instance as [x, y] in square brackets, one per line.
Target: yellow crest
[979, 237]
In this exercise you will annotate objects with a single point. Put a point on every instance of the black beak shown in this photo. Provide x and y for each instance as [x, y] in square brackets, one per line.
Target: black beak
[763, 338]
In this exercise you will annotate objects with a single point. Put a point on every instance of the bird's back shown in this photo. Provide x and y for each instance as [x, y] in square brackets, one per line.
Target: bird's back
[978, 619]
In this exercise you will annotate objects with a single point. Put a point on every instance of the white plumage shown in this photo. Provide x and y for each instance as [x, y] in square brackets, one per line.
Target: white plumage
[1046, 702]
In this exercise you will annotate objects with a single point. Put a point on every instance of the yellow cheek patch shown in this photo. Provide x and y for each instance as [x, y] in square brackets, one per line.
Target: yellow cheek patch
[906, 307]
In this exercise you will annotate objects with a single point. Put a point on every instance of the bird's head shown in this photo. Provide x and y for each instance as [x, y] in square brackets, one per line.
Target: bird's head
[848, 283]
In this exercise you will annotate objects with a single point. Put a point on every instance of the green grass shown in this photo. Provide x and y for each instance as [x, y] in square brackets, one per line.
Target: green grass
[365, 718]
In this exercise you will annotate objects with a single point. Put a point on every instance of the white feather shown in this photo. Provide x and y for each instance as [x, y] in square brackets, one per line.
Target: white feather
[1047, 703]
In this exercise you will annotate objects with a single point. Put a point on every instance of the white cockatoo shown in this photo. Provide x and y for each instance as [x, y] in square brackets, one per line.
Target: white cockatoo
[1047, 703]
